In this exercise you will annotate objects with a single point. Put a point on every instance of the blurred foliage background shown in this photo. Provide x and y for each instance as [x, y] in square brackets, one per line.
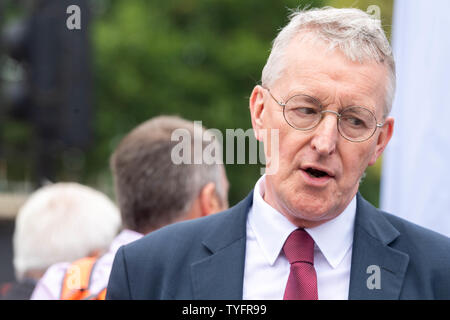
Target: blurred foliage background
[199, 59]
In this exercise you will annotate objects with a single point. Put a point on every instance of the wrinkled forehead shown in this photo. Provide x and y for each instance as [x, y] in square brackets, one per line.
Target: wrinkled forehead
[324, 71]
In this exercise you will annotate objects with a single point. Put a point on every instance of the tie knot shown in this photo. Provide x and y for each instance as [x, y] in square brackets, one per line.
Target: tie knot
[299, 247]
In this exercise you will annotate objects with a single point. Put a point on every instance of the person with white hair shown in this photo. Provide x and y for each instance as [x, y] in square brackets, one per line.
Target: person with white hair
[59, 222]
[304, 232]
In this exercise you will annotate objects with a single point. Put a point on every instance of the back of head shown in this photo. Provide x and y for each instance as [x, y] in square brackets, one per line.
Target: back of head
[62, 222]
[357, 34]
[151, 190]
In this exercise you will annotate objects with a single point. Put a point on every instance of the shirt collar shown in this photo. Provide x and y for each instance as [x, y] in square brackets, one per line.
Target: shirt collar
[333, 238]
[124, 237]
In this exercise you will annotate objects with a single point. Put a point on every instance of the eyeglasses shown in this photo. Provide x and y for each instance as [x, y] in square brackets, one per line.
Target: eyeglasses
[355, 123]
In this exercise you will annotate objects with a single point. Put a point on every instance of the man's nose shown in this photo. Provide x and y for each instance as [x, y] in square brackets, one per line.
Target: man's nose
[326, 134]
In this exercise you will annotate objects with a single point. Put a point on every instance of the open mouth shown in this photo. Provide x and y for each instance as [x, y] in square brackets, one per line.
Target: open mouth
[316, 173]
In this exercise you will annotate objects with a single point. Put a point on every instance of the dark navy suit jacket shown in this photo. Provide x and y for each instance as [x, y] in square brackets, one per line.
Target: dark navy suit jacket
[204, 259]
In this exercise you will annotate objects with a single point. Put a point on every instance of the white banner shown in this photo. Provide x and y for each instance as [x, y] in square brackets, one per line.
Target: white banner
[415, 180]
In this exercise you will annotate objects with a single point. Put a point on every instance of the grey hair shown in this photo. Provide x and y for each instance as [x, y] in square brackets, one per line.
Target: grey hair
[209, 170]
[357, 34]
[151, 189]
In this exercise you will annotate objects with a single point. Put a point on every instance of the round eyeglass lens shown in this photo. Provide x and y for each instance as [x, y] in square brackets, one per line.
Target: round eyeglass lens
[302, 112]
[357, 123]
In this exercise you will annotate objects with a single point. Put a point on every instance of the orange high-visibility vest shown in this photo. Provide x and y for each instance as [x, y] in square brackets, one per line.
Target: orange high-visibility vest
[77, 281]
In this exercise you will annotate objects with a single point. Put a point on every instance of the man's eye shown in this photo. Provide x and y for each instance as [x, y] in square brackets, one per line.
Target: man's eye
[302, 111]
[354, 121]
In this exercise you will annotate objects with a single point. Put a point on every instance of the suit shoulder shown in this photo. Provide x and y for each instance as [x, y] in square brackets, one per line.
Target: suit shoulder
[184, 236]
[192, 232]
[420, 239]
[429, 258]
[157, 263]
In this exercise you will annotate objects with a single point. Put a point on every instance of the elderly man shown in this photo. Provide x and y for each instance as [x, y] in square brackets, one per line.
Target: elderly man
[304, 232]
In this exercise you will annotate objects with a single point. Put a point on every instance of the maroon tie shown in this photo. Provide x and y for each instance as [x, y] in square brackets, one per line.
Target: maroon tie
[302, 281]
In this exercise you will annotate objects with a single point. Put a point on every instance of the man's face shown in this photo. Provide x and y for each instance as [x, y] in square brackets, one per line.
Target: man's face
[337, 83]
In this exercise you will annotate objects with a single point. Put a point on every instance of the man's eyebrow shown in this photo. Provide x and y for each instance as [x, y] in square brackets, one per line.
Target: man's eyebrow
[305, 91]
[302, 90]
[322, 94]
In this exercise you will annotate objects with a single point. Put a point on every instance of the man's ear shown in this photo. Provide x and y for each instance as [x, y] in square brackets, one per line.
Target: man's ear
[383, 139]
[257, 110]
[209, 200]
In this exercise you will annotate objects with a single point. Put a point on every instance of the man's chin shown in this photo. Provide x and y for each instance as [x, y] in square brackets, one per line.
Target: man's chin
[308, 220]
[311, 212]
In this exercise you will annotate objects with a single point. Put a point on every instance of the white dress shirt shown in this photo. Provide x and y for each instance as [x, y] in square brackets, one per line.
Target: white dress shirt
[266, 267]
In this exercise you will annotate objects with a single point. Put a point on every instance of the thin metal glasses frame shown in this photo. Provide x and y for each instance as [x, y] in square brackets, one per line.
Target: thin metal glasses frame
[338, 115]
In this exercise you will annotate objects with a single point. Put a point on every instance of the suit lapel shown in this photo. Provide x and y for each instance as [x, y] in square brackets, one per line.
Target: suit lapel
[377, 270]
[220, 275]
